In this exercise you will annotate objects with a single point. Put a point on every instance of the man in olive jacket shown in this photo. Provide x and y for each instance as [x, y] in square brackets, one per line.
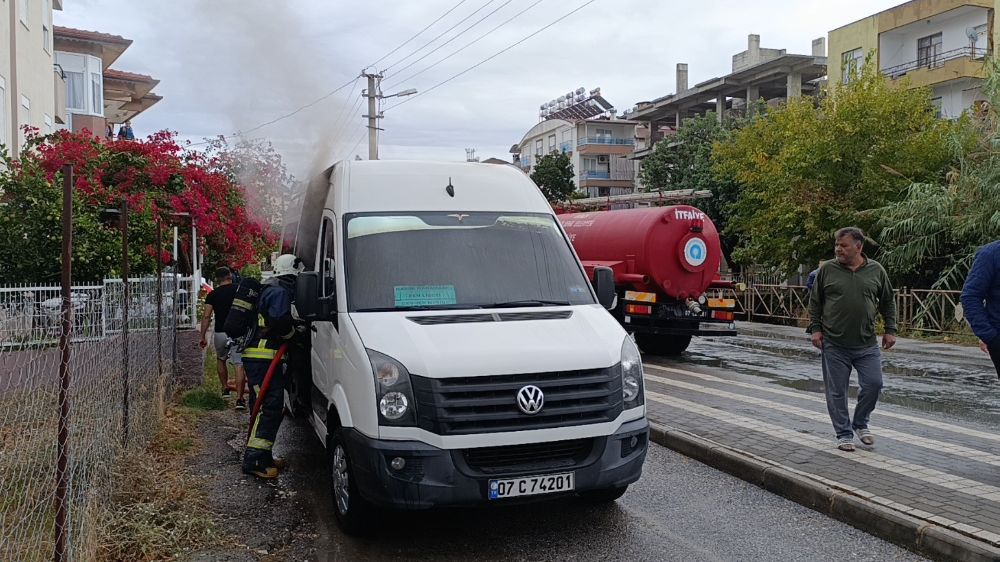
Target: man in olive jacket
[842, 304]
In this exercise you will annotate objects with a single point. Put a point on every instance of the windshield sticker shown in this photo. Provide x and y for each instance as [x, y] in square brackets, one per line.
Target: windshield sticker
[425, 295]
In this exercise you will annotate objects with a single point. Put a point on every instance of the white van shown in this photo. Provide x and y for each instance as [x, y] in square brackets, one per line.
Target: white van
[459, 355]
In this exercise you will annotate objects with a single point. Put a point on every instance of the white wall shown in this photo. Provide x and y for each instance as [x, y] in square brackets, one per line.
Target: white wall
[900, 46]
[35, 76]
[957, 96]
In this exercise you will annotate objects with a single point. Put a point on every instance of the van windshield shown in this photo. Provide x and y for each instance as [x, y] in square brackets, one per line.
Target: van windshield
[455, 260]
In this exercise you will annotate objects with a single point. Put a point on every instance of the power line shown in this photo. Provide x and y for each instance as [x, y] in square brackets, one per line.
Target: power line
[354, 81]
[469, 44]
[491, 57]
[417, 34]
[460, 22]
[461, 33]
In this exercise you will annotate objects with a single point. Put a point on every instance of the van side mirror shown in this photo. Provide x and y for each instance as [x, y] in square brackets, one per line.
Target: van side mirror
[308, 302]
[604, 286]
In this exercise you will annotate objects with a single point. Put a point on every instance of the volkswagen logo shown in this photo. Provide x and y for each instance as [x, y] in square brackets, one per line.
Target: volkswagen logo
[530, 399]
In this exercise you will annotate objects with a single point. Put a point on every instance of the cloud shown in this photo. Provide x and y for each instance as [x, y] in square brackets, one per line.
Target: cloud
[227, 65]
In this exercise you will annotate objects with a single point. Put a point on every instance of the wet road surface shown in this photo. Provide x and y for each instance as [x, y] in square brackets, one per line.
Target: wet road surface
[922, 382]
[679, 510]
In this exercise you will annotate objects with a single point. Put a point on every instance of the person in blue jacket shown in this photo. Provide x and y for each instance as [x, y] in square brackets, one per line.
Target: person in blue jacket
[981, 300]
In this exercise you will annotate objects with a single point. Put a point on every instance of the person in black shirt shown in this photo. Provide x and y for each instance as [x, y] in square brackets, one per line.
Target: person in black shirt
[217, 304]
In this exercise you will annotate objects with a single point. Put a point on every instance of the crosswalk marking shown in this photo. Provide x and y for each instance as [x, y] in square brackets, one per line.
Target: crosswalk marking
[923, 442]
[875, 460]
[805, 396]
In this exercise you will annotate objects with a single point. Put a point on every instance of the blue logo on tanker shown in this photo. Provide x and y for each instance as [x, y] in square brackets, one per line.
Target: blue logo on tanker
[695, 252]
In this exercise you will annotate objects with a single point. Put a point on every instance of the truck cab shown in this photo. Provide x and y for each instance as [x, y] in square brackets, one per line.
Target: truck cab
[459, 355]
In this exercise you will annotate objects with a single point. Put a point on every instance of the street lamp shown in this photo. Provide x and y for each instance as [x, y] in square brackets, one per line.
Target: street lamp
[406, 92]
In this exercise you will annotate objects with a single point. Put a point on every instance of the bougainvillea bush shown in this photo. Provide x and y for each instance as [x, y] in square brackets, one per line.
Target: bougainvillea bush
[155, 177]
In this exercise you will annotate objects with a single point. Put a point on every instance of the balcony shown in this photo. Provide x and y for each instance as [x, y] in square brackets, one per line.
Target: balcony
[595, 175]
[606, 141]
[524, 164]
[966, 62]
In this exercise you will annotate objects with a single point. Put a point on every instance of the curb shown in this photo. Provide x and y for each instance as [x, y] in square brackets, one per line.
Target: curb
[918, 535]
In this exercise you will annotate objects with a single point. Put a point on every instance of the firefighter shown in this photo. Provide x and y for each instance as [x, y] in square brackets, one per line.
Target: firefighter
[275, 326]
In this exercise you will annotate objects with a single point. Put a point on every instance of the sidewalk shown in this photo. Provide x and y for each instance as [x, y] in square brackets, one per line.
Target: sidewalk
[930, 483]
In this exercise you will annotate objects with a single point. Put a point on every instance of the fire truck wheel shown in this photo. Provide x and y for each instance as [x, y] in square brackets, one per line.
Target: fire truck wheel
[655, 344]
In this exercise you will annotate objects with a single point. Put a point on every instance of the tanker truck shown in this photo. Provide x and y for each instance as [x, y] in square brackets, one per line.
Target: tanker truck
[666, 265]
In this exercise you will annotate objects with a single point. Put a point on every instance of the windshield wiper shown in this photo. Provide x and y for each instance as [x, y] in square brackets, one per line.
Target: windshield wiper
[526, 302]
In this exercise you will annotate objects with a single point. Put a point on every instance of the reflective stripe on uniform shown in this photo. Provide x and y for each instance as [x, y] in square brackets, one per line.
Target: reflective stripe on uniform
[259, 351]
[257, 442]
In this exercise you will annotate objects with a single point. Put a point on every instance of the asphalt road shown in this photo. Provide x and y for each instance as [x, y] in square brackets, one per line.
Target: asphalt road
[679, 510]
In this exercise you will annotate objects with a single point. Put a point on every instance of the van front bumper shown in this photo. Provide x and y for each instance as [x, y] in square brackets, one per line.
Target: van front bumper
[433, 477]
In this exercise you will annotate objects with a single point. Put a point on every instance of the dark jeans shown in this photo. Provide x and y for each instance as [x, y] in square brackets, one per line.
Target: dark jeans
[837, 364]
[265, 428]
[994, 347]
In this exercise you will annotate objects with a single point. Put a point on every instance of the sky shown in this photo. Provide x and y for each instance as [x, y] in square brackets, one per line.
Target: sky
[230, 65]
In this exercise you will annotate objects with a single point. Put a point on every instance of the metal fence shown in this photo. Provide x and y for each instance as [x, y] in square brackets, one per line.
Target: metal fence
[938, 312]
[117, 366]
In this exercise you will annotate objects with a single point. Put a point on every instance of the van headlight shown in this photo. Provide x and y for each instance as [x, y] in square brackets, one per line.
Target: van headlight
[393, 393]
[631, 374]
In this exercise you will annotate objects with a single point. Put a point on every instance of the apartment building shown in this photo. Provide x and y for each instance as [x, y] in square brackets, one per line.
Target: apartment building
[97, 94]
[600, 150]
[938, 44]
[30, 84]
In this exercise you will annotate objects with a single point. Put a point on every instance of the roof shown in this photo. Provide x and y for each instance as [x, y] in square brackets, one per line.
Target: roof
[84, 35]
[399, 185]
[112, 74]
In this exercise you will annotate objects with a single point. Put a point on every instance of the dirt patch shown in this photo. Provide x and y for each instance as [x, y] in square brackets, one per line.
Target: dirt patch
[262, 520]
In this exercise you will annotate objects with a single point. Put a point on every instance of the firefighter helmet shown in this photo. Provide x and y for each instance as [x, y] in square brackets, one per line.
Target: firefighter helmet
[288, 264]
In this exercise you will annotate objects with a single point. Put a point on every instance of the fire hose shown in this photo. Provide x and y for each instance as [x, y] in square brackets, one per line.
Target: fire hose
[264, 386]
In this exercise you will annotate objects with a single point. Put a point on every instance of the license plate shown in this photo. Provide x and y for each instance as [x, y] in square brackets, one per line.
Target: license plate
[531, 485]
[714, 327]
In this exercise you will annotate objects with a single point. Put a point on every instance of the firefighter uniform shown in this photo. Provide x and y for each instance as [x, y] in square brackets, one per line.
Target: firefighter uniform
[274, 328]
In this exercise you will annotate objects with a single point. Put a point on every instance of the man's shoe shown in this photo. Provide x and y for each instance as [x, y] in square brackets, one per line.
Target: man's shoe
[241, 404]
[269, 473]
[226, 393]
[866, 437]
[845, 444]
[280, 463]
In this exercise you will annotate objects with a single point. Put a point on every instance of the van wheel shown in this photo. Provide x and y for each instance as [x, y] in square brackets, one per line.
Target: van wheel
[662, 345]
[607, 495]
[354, 514]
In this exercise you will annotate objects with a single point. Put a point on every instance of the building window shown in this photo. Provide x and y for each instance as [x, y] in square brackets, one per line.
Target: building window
[937, 103]
[604, 133]
[97, 93]
[24, 115]
[84, 83]
[538, 147]
[3, 111]
[24, 12]
[552, 143]
[47, 26]
[850, 64]
[929, 50]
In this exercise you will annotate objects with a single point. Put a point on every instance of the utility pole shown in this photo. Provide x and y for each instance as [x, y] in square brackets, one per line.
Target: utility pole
[372, 94]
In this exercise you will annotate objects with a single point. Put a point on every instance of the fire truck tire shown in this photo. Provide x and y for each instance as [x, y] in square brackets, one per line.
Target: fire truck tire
[655, 344]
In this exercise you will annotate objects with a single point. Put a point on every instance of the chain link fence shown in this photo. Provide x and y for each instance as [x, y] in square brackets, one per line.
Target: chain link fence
[122, 353]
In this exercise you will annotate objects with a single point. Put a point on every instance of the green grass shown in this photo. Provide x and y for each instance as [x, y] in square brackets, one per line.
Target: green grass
[202, 398]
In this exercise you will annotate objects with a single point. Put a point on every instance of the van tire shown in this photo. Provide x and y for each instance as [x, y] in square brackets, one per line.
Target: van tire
[606, 495]
[355, 516]
[656, 344]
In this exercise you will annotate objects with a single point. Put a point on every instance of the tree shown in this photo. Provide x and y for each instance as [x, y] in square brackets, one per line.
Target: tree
[685, 162]
[812, 166]
[155, 177]
[554, 175]
[930, 236]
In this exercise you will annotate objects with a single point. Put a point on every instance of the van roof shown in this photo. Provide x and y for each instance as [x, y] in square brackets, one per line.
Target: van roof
[402, 185]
